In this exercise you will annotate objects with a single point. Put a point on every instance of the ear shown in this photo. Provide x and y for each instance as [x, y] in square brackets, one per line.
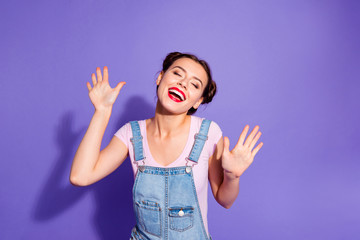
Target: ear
[159, 78]
[197, 104]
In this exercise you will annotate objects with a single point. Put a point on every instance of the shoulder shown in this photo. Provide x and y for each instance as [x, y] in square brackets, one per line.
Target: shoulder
[124, 128]
[132, 124]
[127, 128]
[199, 120]
[214, 129]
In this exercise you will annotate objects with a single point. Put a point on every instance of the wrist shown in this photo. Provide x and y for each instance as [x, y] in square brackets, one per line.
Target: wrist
[105, 112]
[229, 176]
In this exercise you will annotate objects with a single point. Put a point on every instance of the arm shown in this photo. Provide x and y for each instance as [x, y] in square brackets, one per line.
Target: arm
[226, 167]
[89, 164]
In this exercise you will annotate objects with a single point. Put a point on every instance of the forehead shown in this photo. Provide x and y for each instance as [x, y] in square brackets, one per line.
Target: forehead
[192, 68]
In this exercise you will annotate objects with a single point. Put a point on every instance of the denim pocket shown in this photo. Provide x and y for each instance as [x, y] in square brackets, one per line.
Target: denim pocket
[181, 218]
[149, 216]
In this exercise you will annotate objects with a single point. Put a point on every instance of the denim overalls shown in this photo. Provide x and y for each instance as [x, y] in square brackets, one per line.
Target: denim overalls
[165, 200]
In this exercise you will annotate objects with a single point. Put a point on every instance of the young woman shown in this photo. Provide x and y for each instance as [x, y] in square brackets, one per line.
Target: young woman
[173, 154]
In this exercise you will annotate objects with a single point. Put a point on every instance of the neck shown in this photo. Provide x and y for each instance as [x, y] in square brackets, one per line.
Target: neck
[164, 124]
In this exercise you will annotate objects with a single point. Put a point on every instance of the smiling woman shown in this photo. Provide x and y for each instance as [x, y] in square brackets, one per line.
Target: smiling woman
[173, 154]
[180, 72]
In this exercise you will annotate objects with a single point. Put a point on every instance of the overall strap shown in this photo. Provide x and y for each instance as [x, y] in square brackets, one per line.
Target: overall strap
[137, 141]
[200, 139]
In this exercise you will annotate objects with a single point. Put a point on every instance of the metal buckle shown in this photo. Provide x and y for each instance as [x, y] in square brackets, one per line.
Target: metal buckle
[189, 166]
[201, 136]
[141, 167]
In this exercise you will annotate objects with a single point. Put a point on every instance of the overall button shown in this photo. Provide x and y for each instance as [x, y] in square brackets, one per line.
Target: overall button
[181, 219]
[188, 169]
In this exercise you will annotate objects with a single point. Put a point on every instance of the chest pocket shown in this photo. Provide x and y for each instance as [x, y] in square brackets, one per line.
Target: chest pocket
[149, 216]
[181, 218]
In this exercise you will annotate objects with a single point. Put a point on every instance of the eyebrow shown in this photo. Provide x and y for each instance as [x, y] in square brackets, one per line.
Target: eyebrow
[196, 78]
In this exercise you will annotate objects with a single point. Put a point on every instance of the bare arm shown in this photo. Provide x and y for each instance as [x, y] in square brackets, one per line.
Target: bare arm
[226, 167]
[89, 164]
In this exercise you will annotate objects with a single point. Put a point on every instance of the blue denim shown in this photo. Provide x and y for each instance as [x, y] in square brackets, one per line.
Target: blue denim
[200, 139]
[165, 200]
[137, 141]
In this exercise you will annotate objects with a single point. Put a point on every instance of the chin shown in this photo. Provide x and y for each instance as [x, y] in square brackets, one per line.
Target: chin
[170, 109]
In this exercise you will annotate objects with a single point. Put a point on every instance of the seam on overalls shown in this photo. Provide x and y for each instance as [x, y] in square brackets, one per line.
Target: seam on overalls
[198, 206]
[198, 146]
[200, 139]
[166, 206]
[136, 140]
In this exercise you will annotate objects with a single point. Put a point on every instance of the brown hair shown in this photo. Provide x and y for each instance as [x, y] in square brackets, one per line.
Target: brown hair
[210, 88]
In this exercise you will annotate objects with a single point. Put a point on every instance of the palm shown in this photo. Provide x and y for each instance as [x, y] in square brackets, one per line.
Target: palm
[236, 161]
[102, 95]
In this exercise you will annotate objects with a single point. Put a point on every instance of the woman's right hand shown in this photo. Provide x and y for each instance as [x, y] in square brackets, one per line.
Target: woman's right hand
[101, 94]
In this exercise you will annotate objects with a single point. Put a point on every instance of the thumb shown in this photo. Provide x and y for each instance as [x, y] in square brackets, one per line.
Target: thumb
[119, 86]
[226, 144]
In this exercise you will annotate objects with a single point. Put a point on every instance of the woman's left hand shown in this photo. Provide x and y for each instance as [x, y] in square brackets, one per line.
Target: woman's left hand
[236, 161]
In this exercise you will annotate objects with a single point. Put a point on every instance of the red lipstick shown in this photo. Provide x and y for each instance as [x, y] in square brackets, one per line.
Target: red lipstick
[177, 92]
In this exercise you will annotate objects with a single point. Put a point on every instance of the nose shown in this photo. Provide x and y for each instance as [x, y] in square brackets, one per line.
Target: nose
[183, 84]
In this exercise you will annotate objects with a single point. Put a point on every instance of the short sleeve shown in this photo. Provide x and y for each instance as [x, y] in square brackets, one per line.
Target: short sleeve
[215, 132]
[214, 136]
[124, 134]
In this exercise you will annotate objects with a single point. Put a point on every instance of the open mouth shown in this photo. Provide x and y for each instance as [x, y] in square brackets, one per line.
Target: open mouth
[176, 94]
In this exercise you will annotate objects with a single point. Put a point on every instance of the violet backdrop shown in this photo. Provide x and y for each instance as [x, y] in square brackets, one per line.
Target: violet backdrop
[291, 67]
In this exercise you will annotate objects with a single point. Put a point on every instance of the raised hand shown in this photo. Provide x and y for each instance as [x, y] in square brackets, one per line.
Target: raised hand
[236, 161]
[101, 94]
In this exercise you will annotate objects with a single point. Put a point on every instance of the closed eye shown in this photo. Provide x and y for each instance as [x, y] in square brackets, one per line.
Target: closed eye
[196, 86]
[176, 73]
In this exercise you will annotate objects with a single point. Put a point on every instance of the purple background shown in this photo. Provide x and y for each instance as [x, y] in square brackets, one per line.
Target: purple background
[292, 67]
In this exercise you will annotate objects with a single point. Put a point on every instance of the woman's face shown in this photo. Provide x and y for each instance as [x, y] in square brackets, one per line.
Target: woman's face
[181, 86]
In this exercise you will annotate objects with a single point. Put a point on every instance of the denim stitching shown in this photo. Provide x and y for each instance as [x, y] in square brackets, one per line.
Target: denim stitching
[200, 139]
[198, 206]
[198, 145]
[166, 207]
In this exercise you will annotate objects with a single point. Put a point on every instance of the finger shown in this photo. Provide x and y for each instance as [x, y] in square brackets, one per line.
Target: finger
[98, 73]
[253, 153]
[226, 144]
[253, 142]
[119, 86]
[93, 78]
[106, 74]
[242, 136]
[251, 136]
[88, 86]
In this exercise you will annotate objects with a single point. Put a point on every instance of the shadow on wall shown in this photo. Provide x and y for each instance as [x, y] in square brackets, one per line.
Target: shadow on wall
[114, 216]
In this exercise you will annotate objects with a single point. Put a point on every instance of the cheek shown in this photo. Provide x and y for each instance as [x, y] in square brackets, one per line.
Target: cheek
[160, 91]
[196, 94]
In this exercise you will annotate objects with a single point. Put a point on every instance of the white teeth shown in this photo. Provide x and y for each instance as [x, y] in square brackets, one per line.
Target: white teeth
[177, 93]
